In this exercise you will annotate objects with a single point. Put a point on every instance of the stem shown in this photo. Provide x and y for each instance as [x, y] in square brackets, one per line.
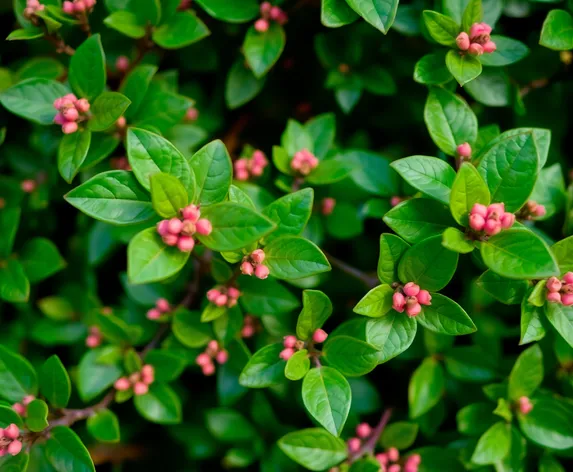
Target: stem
[366, 279]
[369, 446]
[59, 44]
[296, 183]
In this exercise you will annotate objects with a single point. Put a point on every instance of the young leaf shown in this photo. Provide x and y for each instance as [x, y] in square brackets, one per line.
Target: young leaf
[104, 426]
[87, 74]
[106, 110]
[351, 356]
[314, 448]
[167, 195]
[72, 152]
[561, 317]
[336, 13]
[126, 23]
[135, 86]
[298, 365]
[183, 29]
[17, 376]
[239, 12]
[493, 445]
[189, 330]
[55, 383]
[213, 173]
[445, 316]
[391, 335]
[377, 302]
[9, 221]
[37, 415]
[262, 297]
[327, 397]
[427, 385]
[322, 129]
[161, 405]
[473, 13]
[241, 86]
[381, 15]
[264, 369]
[442, 29]
[549, 424]
[290, 213]
[454, 240]
[475, 419]
[468, 189]
[14, 286]
[527, 373]
[316, 309]
[65, 451]
[95, 377]
[532, 327]
[262, 50]
[508, 51]
[431, 69]
[464, 67]
[556, 32]
[400, 435]
[507, 291]
[392, 248]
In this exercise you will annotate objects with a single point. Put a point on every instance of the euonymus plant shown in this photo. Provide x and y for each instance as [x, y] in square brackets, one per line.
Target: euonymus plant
[289, 235]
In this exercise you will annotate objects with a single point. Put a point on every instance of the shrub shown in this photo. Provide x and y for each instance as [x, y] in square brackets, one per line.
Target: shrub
[290, 225]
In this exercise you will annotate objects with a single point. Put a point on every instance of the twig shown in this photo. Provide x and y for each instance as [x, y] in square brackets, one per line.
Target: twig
[59, 44]
[369, 446]
[368, 280]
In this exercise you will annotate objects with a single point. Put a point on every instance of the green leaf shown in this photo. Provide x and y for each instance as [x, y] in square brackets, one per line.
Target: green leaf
[150, 153]
[475, 419]
[189, 330]
[445, 316]
[293, 257]
[442, 28]
[431, 69]
[149, 259]
[527, 373]
[168, 365]
[532, 327]
[37, 416]
[454, 240]
[330, 171]
[87, 74]
[212, 312]
[17, 376]
[168, 195]
[428, 264]
[135, 87]
[93, 377]
[116, 329]
[229, 426]
[213, 173]
[549, 424]
[314, 448]
[14, 286]
[100, 149]
[400, 435]
[327, 397]
[430, 175]
[557, 31]
[377, 302]
[563, 252]
[104, 426]
[65, 451]
[336, 13]
[161, 405]
[392, 248]
[493, 445]
[262, 50]
[265, 368]
[322, 129]
[492, 88]
[106, 109]
[450, 120]
[351, 356]
[72, 152]
[518, 254]
[183, 29]
[55, 383]
[241, 85]
[507, 291]
[471, 364]
[464, 67]
[239, 12]
[473, 13]
[298, 365]
[468, 189]
[549, 464]
[426, 388]
[114, 197]
[561, 317]
[419, 218]
[391, 335]
[126, 23]
[25, 34]
[234, 226]
[508, 51]
[262, 297]
[316, 309]
[379, 13]
[290, 213]
[295, 137]
[9, 221]
[9, 416]
[33, 99]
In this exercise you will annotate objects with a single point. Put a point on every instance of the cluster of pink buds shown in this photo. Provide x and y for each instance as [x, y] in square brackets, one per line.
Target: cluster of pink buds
[94, 338]
[253, 167]
[122, 64]
[213, 351]
[292, 344]
[327, 206]
[78, 7]
[120, 163]
[560, 291]
[491, 219]
[410, 298]
[162, 307]
[531, 210]
[478, 41]
[224, 296]
[10, 440]
[390, 461]
[464, 150]
[253, 264]
[179, 232]
[304, 162]
[21, 407]
[270, 13]
[28, 185]
[32, 7]
[524, 405]
[138, 381]
[192, 114]
[70, 111]
[250, 326]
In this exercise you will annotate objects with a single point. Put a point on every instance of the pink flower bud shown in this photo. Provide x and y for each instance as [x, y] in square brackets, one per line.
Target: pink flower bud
[175, 225]
[204, 227]
[398, 302]
[68, 8]
[59, 119]
[265, 8]
[393, 454]
[242, 175]
[12, 432]
[148, 374]
[19, 408]
[424, 297]
[394, 468]
[259, 158]
[163, 227]
[247, 268]
[464, 150]
[258, 256]
[71, 114]
[261, 25]
[153, 314]
[395, 201]
[363, 430]
[328, 205]
[411, 289]
[568, 278]
[213, 345]
[247, 331]
[121, 122]
[58, 103]
[82, 105]
[162, 305]
[415, 459]
[413, 309]
[319, 336]
[221, 300]
[289, 341]
[567, 288]
[191, 213]
[140, 388]
[90, 3]
[28, 399]
[79, 6]
[475, 49]
[354, 445]
[241, 164]
[477, 222]
[14, 447]
[477, 29]
[463, 41]
[222, 357]
[28, 185]
[192, 114]
[553, 284]
[209, 369]
[71, 98]
[69, 127]
[185, 243]
[554, 297]
[382, 459]
[507, 219]
[525, 405]
[492, 227]
[489, 46]
[170, 239]
[495, 210]
[275, 13]
[202, 359]
[479, 209]
[286, 353]
[93, 341]
[213, 294]
[567, 299]
[540, 210]
[233, 292]
[262, 271]
[122, 63]
[122, 384]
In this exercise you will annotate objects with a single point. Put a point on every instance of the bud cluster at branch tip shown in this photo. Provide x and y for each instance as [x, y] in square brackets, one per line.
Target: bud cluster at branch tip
[71, 111]
[245, 167]
[213, 351]
[10, 440]
[410, 298]
[180, 231]
[270, 13]
[560, 291]
[224, 296]
[21, 407]
[138, 381]
[253, 264]
[162, 307]
[478, 40]
[292, 344]
[491, 219]
[78, 7]
[304, 162]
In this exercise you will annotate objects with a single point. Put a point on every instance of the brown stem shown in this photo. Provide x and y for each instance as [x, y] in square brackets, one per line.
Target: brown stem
[144, 45]
[368, 280]
[296, 183]
[59, 44]
[85, 24]
[369, 446]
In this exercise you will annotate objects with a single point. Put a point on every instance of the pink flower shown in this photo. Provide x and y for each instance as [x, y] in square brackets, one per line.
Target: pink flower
[463, 41]
[192, 114]
[492, 227]
[495, 210]
[540, 210]
[140, 388]
[567, 299]
[478, 29]
[413, 308]
[191, 213]
[208, 369]
[185, 243]
[477, 222]
[319, 336]
[202, 359]
[122, 384]
[222, 357]
[170, 239]
[70, 127]
[233, 292]
[174, 226]
[213, 294]
[393, 454]
[525, 405]
[221, 300]
[82, 105]
[568, 278]
[153, 314]
[479, 209]
[122, 63]
[28, 185]
[163, 227]
[382, 458]
[328, 205]
[163, 305]
[14, 447]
